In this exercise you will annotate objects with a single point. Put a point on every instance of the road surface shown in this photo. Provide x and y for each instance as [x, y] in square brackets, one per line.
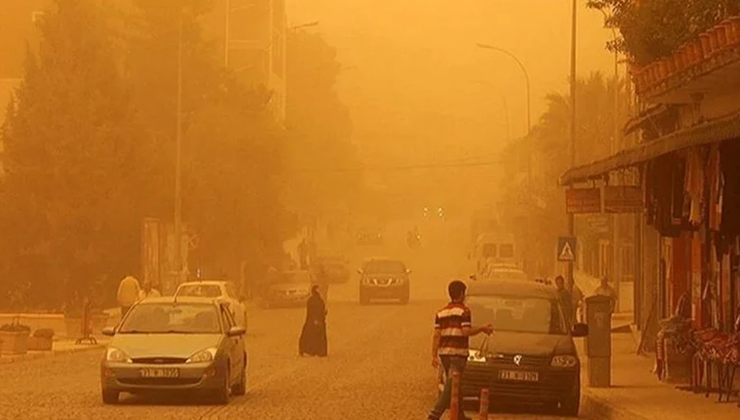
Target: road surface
[378, 366]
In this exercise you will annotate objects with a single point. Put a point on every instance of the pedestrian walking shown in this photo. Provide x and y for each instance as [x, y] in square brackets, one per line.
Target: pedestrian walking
[450, 345]
[566, 299]
[128, 294]
[148, 291]
[578, 296]
[313, 341]
[606, 290]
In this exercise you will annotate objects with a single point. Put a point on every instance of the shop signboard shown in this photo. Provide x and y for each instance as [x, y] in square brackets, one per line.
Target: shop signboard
[583, 200]
[623, 199]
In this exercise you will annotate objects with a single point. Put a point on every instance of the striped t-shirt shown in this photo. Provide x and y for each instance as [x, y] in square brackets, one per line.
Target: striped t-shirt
[450, 322]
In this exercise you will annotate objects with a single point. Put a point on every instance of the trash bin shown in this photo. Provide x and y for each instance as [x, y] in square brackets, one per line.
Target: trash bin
[599, 341]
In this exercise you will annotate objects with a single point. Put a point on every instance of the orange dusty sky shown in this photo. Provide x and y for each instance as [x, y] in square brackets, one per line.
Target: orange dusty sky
[415, 80]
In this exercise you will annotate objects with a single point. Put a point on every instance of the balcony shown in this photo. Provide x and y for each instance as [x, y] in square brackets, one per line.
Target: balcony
[707, 65]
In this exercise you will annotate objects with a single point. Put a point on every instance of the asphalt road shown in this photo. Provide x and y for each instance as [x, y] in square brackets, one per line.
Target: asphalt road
[378, 365]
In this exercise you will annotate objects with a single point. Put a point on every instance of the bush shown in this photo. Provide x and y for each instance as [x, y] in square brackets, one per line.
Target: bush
[15, 327]
[44, 333]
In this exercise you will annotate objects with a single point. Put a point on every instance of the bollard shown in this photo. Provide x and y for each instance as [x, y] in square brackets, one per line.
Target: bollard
[455, 396]
[483, 412]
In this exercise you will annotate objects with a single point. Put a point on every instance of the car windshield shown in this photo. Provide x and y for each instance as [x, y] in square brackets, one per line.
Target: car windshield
[385, 266]
[518, 314]
[199, 290]
[164, 318]
[298, 277]
[506, 251]
[509, 275]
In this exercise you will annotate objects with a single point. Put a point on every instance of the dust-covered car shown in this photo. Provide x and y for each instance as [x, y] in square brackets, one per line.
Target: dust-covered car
[531, 357]
[383, 278]
[333, 268]
[175, 344]
[289, 288]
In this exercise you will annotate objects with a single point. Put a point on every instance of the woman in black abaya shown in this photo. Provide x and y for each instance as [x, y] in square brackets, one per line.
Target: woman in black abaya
[313, 336]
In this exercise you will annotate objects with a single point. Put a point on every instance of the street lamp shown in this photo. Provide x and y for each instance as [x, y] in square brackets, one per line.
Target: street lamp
[529, 108]
[506, 109]
[227, 29]
[526, 77]
[573, 131]
[304, 25]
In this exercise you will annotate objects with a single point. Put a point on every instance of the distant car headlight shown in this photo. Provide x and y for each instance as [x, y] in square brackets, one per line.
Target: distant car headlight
[475, 356]
[115, 355]
[564, 361]
[205, 355]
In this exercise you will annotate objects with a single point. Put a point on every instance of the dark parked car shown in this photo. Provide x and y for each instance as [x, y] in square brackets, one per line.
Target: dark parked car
[370, 237]
[384, 279]
[531, 357]
[175, 344]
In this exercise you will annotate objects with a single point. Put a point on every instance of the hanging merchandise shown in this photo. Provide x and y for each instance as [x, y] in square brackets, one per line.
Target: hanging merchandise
[715, 179]
[730, 225]
[694, 184]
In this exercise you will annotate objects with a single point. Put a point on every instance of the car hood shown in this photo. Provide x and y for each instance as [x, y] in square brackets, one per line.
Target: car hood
[526, 343]
[288, 287]
[385, 275]
[164, 345]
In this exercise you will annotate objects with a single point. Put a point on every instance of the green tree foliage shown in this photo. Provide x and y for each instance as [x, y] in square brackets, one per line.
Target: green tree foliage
[68, 160]
[320, 127]
[89, 151]
[550, 156]
[656, 28]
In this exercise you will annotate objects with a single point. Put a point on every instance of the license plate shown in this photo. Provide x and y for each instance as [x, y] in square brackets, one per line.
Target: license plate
[160, 373]
[517, 375]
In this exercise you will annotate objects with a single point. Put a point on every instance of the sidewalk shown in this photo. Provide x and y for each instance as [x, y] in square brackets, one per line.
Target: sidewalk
[636, 393]
[58, 348]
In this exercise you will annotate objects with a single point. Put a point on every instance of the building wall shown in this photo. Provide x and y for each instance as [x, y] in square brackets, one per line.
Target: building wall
[256, 32]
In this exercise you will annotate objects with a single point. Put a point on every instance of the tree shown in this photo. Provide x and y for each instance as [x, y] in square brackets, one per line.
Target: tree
[68, 149]
[320, 128]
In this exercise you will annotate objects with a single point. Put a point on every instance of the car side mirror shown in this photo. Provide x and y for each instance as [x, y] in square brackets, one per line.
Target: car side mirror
[236, 331]
[580, 330]
[109, 331]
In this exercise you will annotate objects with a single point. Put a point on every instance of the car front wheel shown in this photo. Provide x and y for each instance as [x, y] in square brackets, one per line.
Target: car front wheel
[241, 387]
[571, 405]
[110, 396]
[223, 392]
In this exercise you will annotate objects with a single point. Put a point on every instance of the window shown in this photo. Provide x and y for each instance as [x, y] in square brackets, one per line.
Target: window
[385, 267]
[489, 251]
[172, 318]
[226, 318]
[231, 290]
[296, 277]
[518, 314]
[506, 251]
[200, 290]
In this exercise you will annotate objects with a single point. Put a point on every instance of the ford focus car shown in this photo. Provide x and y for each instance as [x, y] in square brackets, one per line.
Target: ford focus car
[531, 357]
[175, 344]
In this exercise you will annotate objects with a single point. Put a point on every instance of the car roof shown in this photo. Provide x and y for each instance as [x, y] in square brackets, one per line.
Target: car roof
[204, 283]
[183, 299]
[510, 287]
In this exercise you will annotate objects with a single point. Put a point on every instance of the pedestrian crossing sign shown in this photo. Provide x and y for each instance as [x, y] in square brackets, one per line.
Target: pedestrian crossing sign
[566, 248]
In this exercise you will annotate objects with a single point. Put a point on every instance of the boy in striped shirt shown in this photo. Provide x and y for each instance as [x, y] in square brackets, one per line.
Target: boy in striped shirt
[452, 327]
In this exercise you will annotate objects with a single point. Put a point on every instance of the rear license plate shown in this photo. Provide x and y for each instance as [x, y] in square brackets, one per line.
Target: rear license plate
[159, 373]
[516, 375]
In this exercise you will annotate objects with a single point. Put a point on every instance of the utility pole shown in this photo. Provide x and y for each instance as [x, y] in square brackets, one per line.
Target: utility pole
[178, 162]
[227, 34]
[571, 216]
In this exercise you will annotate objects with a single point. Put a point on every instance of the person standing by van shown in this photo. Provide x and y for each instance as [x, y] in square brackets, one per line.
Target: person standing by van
[452, 328]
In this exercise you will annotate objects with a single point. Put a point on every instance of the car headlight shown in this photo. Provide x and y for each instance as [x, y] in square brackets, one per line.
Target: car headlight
[475, 356]
[115, 355]
[564, 361]
[205, 355]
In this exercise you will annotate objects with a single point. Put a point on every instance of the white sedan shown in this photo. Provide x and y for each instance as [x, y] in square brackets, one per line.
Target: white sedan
[217, 289]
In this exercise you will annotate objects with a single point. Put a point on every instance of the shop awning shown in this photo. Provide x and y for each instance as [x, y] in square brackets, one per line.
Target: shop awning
[705, 133]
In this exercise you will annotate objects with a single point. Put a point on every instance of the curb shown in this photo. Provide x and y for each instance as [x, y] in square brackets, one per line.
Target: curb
[7, 359]
[597, 407]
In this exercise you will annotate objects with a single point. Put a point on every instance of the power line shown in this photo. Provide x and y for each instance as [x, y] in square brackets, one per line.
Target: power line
[401, 168]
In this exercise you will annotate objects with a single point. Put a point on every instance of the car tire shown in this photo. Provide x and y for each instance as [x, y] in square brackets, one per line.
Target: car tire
[241, 387]
[110, 396]
[571, 406]
[223, 392]
[364, 299]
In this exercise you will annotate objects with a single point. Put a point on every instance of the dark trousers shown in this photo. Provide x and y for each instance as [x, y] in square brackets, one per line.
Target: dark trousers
[450, 364]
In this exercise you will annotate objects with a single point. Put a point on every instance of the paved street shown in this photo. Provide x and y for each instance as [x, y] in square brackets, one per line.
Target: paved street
[378, 365]
[378, 369]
